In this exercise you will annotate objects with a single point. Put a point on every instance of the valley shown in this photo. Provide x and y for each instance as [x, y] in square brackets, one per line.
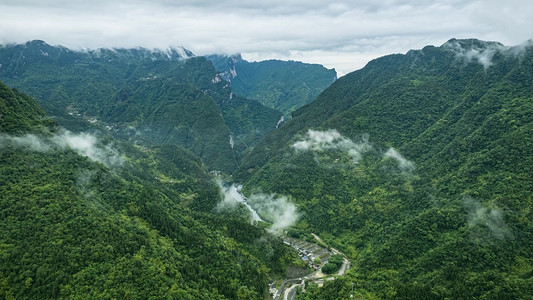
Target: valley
[316, 256]
[141, 173]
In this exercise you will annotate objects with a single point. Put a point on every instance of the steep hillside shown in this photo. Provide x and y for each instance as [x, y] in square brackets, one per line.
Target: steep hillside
[19, 113]
[58, 76]
[86, 216]
[283, 85]
[128, 90]
[418, 166]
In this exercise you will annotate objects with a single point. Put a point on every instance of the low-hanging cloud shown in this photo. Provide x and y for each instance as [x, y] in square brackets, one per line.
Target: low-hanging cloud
[321, 141]
[28, 141]
[484, 55]
[83, 184]
[276, 209]
[485, 224]
[84, 144]
[290, 29]
[231, 198]
[404, 165]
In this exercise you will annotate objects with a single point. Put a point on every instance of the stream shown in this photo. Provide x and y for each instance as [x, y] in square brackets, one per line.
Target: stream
[235, 193]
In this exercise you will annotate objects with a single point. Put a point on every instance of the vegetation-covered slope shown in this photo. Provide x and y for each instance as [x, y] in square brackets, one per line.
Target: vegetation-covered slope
[83, 216]
[19, 113]
[283, 85]
[418, 166]
[149, 95]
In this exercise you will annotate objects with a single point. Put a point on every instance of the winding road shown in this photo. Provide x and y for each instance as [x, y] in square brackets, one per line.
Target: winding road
[317, 276]
[234, 192]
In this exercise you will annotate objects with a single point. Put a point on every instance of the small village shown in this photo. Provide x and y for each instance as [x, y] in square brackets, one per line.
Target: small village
[316, 257]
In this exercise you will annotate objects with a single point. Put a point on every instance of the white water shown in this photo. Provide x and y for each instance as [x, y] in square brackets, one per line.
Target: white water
[280, 120]
[235, 194]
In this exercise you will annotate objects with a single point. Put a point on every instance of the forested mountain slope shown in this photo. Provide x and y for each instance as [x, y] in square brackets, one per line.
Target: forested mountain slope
[152, 96]
[419, 167]
[86, 216]
[283, 85]
[19, 113]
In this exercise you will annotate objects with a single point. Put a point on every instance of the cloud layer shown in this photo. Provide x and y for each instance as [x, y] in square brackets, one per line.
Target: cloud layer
[231, 198]
[404, 165]
[341, 34]
[320, 141]
[84, 144]
[485, 224]
[275, 209]
[484, 55]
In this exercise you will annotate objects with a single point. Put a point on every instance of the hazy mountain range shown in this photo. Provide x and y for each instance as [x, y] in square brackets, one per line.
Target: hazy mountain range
[417, 167]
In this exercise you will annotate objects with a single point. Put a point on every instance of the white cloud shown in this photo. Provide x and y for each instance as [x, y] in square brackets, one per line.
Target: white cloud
[28, 141]
[343, 34]
[484, 54]
[276, 209]
[481, 55]
[87, 145]
[320, 141]
[84, 144]
[485, 224]
[404, 165]
[229, 195]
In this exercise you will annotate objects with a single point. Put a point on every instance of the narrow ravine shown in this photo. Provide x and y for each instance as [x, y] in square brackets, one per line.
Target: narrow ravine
[235, 192]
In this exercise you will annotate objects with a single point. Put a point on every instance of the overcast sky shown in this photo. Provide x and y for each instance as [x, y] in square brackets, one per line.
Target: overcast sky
[338, 34]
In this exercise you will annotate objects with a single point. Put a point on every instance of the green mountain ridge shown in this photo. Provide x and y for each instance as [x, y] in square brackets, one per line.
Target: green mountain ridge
[283, 85]
[417, 166]
[18, 112]
[126, 89]
[73, 226]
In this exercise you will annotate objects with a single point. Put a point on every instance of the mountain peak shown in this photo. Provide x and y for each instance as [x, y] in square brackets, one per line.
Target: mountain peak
[141, 53]
[38, 49]
[36, 43]
[471, 43]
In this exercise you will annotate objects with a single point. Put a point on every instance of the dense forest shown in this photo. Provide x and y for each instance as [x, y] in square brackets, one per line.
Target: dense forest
[148, 96]
[88, 216]
[419, 167]
[283, 85]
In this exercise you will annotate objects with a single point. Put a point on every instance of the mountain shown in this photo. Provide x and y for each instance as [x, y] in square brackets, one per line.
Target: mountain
[418, 167]
[83, 215]
[19, 113]
[283, 85]
[152, 96]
